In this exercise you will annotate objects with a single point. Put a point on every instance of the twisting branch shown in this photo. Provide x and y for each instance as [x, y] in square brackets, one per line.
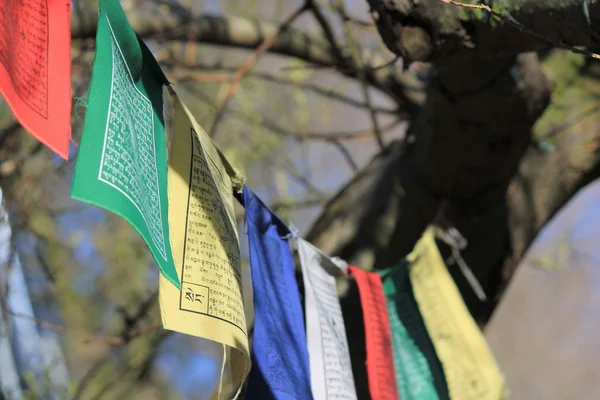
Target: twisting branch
[89, 375]
[346, 154]
[334, 138]
[448, 31]
[358, 60]
[246, 66]
[287, 165]
[178, 73]
[142, 363]
[185, 69]
[328, 32]
[305, 203]
[344, 70]
[130, 323]
[85, 337]
[385, 65]
[326, 136]
[299, 135]
[171, 27]
[511, 21]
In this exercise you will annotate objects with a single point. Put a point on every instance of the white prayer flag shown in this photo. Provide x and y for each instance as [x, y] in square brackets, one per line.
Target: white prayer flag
[330, 368]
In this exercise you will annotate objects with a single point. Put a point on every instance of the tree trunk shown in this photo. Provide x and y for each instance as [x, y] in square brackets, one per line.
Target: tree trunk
[460, 152]
[465, 147]
[433, 30]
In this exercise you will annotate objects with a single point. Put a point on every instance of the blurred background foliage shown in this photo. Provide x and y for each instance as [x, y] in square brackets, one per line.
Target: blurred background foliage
[88, 271]
[299, 131]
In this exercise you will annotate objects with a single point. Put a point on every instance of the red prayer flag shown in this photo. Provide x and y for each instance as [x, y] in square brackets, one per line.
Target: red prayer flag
[378, 334]
[35, 68]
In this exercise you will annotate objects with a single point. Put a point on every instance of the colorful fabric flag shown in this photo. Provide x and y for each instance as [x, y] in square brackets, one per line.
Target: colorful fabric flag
[35, 68]
[378, 336]
[122, 160]
[419, 374]
[329, 356]
[205, 243]
[469, 366]
[280, 367]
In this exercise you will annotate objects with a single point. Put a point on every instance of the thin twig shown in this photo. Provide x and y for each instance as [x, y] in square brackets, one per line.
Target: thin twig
[332, 137]
[249, 63]
[87, 338]
[86, 379]
[359, 61]
[181, 73]
[587, 112]
[328, 32]
[325, 136]
[346, 154]
[129, 370]
[361, 23]
[287, 165]
[382, 66]
[366, 69]
[283, 81]
[513, 22]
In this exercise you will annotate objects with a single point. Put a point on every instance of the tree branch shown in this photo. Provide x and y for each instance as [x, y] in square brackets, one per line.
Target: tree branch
[152, 23]
[357, 57]
[550, 175]
[187, 68]
[249, 63]
[505, 17]
[464, 148]
[328, 32]
[300, 135]
[345, 153]
[433, 30]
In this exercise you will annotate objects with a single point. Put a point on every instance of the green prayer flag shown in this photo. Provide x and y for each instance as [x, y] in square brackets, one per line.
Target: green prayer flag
[419, 374]
[122, 160]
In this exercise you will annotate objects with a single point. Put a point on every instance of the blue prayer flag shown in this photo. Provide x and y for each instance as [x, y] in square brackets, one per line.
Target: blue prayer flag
[279, 354]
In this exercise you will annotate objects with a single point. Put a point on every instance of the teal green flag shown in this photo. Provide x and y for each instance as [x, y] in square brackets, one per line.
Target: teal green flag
[122, 160]
[419, 374]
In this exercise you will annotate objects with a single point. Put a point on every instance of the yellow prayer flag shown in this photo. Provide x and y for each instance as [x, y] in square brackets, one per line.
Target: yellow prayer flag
[470, 368]
[205, 244]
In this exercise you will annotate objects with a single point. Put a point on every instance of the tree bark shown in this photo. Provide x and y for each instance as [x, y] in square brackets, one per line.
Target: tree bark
[566, 156]
[176, 27]
[462, 151]
[430, 30]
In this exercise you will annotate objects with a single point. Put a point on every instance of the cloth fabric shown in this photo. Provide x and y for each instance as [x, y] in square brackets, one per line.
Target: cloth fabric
[469, 366]
[330, 366]
[122, 160]
[280, 367]
[35, 68]
[378, 336]
[419, 373]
